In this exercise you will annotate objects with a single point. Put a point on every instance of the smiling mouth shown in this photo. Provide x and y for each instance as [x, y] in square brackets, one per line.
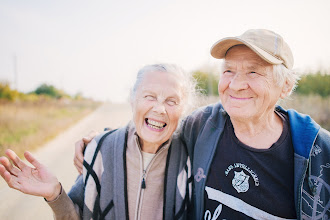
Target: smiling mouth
[239, 98]
[155, 124]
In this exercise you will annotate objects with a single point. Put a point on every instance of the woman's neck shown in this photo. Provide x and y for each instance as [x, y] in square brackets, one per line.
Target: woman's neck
[149, 147]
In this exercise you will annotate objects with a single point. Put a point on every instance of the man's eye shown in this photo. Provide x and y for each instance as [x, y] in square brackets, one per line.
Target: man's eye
[227, 72]
[253, 74]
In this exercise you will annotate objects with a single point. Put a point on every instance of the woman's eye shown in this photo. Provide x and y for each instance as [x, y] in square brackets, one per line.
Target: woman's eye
[171, 102]
[150, 97]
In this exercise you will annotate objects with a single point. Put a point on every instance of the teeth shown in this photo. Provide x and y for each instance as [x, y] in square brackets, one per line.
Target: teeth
[154, 127]
[155, 124]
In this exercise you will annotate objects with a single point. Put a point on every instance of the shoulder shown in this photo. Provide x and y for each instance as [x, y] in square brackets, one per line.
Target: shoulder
[306, 133]
[202, 114]
[206, 111]
[194, 124]
[324, 134]
[299, 120]
[323, 139]
[104, 141]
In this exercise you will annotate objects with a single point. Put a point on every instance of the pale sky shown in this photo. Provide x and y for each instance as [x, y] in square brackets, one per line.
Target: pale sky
[97, 47]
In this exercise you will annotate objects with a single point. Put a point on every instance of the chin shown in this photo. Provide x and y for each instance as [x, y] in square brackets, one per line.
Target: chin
[237, 113]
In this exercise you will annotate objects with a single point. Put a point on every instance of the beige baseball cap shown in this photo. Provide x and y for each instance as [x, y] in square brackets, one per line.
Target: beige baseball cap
[267, 44]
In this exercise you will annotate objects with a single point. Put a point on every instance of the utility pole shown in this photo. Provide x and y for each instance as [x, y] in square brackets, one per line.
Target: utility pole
[15, 73]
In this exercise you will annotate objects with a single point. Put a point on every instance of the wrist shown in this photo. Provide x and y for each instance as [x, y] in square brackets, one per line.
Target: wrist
[56, 194]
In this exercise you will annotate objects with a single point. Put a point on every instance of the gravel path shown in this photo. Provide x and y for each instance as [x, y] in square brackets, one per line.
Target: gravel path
[58, 156]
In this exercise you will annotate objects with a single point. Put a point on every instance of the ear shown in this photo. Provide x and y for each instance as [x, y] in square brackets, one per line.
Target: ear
[286, 89]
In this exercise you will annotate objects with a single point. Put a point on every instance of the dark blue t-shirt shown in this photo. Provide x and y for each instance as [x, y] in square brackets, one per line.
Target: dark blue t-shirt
[248, 183]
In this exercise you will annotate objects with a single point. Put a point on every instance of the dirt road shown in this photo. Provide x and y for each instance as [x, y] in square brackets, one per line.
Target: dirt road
[58, 156]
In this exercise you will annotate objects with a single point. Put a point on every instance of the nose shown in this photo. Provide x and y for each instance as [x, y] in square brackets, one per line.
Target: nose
[159, 108]
[238, 82]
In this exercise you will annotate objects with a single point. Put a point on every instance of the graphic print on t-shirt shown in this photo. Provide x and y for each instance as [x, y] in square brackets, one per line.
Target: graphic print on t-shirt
[240, 180]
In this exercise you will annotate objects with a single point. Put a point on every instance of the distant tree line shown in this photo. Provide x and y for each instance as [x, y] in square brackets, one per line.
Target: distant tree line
[312, 83]
[317, 83]
[51, 91]
[44, 90]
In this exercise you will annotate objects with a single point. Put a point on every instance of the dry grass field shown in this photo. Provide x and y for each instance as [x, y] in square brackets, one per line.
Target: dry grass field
[25, 125]
[314, 105]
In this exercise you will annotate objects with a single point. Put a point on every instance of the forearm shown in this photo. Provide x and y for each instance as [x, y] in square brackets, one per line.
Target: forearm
[63, 207]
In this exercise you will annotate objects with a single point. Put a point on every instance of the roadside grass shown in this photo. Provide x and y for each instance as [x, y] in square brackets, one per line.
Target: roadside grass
[314, 105]
[26, 125]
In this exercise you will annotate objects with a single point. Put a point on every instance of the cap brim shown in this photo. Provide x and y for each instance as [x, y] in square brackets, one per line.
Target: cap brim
[220, 48]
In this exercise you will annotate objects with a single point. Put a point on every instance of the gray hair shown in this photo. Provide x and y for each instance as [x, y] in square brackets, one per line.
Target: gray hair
[281, 74]
[188, 83]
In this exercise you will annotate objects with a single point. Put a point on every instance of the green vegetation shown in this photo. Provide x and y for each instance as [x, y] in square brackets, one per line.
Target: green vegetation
[7, 93]
[29, 120]
[43, 91]
[51, 91]
[317, 83]
[207, 82]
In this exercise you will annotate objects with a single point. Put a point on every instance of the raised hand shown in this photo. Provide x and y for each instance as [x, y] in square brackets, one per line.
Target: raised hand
[37, 180]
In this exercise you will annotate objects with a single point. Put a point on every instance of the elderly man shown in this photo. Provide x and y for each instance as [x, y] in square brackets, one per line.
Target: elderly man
[251, 158]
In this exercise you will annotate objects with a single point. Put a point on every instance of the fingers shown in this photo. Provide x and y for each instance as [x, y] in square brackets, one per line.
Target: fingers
[78, 165]
[10, 179]
[80, 148]
[89, 137]
[16, 160]
[5, 174]
[8, 166]
[3, 170]
[29, 157]
[78, 155]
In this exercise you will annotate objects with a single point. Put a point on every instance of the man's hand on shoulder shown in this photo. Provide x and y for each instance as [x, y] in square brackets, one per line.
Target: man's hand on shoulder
[80, 146]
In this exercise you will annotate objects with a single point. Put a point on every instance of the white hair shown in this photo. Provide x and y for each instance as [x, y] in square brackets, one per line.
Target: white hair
[187, 82]
[281, 75]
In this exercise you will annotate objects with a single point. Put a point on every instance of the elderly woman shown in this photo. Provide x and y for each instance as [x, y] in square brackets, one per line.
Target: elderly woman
[139, 171]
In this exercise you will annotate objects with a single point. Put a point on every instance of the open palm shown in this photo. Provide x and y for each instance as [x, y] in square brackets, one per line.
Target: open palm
[37, 180]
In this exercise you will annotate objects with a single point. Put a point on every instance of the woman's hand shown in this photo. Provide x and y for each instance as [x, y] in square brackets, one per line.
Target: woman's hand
[37, 180]
[80, 146]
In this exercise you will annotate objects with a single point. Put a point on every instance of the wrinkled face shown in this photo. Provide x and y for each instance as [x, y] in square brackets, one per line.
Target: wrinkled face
[157, 107]
[247, 88]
